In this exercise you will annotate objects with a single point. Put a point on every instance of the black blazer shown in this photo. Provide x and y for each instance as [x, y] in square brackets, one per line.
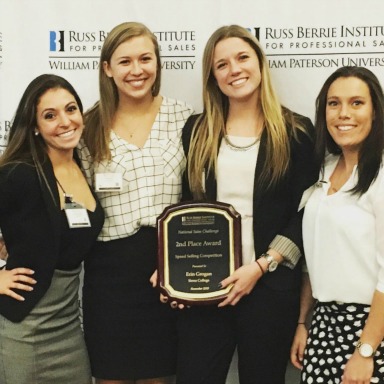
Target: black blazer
[275, 210]
[30, 224]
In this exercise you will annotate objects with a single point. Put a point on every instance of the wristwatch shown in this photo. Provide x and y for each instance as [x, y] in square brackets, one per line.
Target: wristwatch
[272, 263]
[365, 349]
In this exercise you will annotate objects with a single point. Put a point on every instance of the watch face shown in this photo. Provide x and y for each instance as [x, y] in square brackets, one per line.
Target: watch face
[366, 350]
[272, 266]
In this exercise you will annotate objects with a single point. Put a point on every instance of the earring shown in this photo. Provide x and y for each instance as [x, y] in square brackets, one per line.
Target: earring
[36, 133]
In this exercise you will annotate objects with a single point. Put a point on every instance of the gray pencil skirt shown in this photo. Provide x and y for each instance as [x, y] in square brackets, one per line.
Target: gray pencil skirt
[47, 347]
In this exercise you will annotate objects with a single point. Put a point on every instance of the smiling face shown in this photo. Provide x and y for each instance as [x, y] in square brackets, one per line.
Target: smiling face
[133, 68]
[236, 69]
[59, 120]
[349, 112]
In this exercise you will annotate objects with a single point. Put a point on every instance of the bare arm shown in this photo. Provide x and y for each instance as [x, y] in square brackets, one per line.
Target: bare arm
[301, 335]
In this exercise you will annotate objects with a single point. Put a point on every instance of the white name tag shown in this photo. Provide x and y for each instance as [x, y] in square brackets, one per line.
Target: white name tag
[77, 215]
[106, 182]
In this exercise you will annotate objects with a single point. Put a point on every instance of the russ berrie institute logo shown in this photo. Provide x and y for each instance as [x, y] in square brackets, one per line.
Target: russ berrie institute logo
[56, 41]
[255, 31]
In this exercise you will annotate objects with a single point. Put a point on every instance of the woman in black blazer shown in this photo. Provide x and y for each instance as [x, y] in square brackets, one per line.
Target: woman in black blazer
[49, 219]
[247, 150]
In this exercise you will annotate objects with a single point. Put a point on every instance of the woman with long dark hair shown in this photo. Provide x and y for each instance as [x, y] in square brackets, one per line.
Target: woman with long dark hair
[49, 219]
[343, 230]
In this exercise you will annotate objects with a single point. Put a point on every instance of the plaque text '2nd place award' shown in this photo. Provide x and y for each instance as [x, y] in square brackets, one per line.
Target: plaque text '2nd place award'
[199, 246]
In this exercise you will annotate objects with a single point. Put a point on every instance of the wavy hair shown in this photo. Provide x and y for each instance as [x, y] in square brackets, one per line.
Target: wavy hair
[23, 145]
[210, 127]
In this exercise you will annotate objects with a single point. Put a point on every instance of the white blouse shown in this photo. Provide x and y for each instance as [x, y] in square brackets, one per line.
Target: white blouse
[235, 179]
[344, 239]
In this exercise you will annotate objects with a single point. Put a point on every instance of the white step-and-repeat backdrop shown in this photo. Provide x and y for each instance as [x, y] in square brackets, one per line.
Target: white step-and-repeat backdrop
[305, 40]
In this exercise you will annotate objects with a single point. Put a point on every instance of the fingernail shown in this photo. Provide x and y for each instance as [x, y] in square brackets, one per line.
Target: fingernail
[220, 285]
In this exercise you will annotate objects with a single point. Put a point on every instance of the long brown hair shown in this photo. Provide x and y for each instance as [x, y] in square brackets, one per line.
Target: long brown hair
[210, 127]
[23, 145]
[98, 120]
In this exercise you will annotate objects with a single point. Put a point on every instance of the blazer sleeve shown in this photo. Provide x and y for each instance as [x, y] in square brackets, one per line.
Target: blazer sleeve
[28, 232]
[276, 212]
[304, 173]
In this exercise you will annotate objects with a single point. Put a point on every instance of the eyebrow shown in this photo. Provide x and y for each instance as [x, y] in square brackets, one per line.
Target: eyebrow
[351, 97]
[141, 54]
[237, 54]
[54, 109]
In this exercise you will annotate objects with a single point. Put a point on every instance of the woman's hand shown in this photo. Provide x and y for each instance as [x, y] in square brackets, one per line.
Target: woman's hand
[298, 346]
[306, 306]
[358, 370]
[17, 278]
[153, 279]
[164, 299]
[243, 280]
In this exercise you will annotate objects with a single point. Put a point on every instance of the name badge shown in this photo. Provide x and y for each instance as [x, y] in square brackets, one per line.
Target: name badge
[77, 215]
[107, 182]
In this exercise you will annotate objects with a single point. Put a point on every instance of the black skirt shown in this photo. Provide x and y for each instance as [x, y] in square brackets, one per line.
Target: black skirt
[129, 333]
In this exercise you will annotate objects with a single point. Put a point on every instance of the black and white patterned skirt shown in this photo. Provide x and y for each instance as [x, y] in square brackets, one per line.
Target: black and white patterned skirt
[335, 331]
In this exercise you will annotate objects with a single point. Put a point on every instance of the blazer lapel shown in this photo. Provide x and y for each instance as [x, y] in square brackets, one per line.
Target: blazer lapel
[258, 186]
[51, 199]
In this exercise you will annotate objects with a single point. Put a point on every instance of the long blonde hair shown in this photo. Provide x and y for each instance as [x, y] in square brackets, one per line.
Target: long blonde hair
[210, 126]
[98, 120]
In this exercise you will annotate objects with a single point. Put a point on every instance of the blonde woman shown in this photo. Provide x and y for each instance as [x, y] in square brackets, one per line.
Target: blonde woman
[247, 150]
[136, 162]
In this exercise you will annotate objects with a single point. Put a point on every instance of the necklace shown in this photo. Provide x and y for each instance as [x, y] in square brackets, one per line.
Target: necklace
[235, 147]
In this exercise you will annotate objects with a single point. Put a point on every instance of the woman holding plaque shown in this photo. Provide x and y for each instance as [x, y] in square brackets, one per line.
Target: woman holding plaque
[247, 150]
[135, 162]
[346, 207]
